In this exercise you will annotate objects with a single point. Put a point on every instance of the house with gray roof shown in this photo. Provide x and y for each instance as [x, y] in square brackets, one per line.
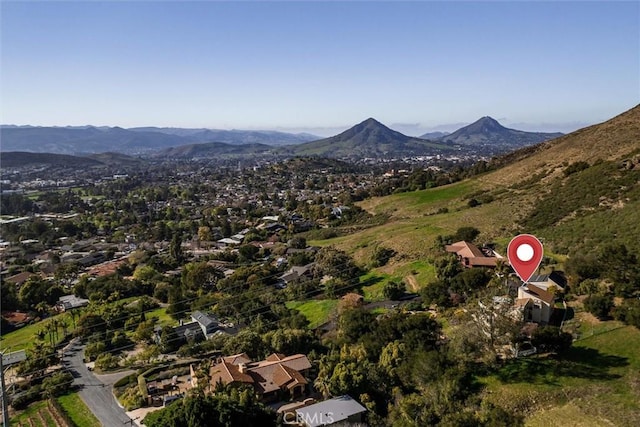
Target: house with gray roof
[69, 302]
[331, 411]
[208, 323]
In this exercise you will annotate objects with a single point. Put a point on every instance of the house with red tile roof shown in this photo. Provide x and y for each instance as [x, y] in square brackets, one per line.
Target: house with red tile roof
[472, 256]
[275, 378]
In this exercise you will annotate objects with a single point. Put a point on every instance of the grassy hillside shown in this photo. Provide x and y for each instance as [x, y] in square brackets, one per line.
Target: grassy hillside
[577, 192]
[598, 384]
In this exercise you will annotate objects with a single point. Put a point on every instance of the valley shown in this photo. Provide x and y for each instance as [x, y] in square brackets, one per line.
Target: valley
[186, 265]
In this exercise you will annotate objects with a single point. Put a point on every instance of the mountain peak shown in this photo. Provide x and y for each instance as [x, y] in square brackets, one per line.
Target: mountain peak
[370, 138]
[486, 124]
[371, 121]
[488, 132]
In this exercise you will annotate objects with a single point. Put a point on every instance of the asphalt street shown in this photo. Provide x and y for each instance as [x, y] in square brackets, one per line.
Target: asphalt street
[94, 392]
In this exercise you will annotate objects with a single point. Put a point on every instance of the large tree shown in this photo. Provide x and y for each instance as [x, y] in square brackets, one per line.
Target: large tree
[335, 263]
[225, 408]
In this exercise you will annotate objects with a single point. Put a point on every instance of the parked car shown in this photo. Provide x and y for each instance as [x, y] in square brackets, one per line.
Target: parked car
[526, 349]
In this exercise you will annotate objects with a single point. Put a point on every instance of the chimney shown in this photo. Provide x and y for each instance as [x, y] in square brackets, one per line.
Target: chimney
[242, 367]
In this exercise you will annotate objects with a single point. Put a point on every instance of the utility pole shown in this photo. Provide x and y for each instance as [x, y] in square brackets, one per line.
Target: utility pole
[5, 406]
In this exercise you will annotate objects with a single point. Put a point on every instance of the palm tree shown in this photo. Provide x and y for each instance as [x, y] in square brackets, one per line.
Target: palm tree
[64, 325]
[41, 308]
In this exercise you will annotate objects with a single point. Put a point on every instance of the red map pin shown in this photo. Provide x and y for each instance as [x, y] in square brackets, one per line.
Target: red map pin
[525, 253]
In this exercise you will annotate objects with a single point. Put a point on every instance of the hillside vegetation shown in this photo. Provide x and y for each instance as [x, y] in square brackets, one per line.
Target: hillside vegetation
[577, 192]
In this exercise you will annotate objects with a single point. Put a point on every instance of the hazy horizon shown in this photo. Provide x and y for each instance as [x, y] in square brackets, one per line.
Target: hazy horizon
[319, 67]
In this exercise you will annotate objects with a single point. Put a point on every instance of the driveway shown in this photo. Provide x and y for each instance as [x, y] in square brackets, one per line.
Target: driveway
[96, 394]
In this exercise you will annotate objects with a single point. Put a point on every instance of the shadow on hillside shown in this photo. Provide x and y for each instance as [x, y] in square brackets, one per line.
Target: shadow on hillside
[577, 362]
[370, 281]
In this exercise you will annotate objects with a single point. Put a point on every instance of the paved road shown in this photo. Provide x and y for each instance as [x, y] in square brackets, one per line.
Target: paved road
[96, 394]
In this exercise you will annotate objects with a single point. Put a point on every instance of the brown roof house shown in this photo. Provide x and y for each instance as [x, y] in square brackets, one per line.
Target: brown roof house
[535, 303]
[275, 378]
[20, 278]
[472, 256]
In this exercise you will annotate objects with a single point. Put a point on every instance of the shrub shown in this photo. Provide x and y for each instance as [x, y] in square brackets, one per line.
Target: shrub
[32, 394]
[107, 361]
[124, 381]
[628, 312]
[466, 233]
[590, 286]
[382, 256]
[57, 384]
[94, 349]
[393, 290]
[575, 167]
[132, 398]
[599, 305]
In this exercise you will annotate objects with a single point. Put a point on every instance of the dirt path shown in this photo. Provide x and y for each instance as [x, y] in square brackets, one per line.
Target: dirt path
[413, 283]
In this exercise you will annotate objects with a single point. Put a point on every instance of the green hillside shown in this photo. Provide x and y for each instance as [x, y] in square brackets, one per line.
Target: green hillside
[576, 205]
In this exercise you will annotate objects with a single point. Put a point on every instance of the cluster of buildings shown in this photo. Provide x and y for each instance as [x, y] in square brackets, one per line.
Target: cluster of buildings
[534, 300]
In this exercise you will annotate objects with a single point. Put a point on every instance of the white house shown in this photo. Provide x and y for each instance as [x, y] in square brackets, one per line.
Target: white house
[535, 303]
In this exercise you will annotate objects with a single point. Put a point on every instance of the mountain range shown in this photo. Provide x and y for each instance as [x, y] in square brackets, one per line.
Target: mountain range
[79, 140]
[368, 139]
[216, 149]
[20, 158]
[234, 136]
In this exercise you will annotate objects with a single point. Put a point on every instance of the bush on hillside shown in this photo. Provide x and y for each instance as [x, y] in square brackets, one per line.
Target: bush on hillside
[575, 167]
[599, 305]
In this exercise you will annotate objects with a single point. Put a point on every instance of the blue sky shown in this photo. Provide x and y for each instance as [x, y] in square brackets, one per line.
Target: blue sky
[318, 66]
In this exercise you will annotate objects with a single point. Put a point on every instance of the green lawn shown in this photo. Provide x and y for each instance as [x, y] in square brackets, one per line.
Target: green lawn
[77, 410]
[23, 337]
[373, 291]
[596, 383]
[317, 312]
[161, 314]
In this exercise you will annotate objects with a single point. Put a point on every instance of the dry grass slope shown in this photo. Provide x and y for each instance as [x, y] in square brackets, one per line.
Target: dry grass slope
[611, 140]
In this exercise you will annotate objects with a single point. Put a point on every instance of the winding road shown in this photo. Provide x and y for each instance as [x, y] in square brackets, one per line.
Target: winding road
[95, 393]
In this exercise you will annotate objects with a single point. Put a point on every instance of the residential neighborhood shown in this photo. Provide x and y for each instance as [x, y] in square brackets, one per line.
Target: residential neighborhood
[179, 285]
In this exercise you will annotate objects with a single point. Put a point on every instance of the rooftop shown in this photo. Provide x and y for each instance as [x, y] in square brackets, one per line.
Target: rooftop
[330, 411]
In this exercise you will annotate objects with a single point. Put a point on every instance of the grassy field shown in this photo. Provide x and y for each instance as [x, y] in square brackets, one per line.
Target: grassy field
[23, 337]
[414, 274]
[419, 200]
[78, 411]
[317, 312]
[414, 222]
[375, 282]
[161, 314]
[596, 383]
